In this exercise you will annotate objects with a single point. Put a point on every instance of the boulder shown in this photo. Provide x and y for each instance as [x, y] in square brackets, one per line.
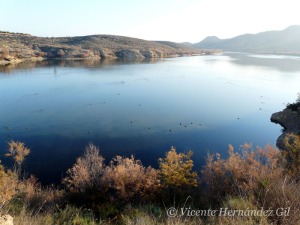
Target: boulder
[149, 54]
[130, 54]
[289, 119]
[9, 58]
[6, 220]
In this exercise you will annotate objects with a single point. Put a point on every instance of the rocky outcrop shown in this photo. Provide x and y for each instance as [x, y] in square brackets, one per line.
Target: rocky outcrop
[6, 220]
[289, 119]
[130, 54]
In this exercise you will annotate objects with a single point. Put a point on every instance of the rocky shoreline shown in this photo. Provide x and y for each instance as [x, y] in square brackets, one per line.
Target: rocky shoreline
[289, 119]
[16, 48]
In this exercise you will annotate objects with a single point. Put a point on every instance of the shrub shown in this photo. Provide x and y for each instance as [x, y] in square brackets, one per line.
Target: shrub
[130, 180]
[244, 172]
[292, 153]
[18, 151]
[124, 179]
[86, 173]
[281, 194]
[176, 170]
[8, 185]
[9, 180]
[35, 196]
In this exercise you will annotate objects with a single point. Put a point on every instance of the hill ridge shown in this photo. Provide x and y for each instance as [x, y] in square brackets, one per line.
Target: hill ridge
[285, 41]
[15, 47]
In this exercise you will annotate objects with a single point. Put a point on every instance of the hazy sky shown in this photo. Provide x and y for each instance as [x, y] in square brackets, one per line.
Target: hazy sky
[174, 20]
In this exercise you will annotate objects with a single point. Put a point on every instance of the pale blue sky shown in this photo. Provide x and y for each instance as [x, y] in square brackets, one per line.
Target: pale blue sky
[174, 20]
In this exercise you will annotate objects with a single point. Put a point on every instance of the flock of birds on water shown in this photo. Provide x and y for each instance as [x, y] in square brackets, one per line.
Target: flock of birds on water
[180, 124]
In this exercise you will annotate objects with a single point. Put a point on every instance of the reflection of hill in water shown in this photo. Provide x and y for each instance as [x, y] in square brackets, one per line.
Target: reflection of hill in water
[27, 65]
[281, 63]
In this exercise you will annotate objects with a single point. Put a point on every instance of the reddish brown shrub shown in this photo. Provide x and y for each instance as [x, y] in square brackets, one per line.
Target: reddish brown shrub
[130, 180]
[241, 172]
[87, 172]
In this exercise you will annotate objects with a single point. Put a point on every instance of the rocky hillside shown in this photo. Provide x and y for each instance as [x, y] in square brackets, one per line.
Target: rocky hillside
[275, 42]
[15, 47]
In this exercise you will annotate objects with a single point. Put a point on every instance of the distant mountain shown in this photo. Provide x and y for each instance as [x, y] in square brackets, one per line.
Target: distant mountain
[282, 42]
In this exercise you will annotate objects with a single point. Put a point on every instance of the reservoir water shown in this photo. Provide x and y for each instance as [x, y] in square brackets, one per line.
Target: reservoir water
[199, 103]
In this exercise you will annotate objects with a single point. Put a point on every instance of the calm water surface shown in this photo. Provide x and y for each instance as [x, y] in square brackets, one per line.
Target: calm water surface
[202, 103]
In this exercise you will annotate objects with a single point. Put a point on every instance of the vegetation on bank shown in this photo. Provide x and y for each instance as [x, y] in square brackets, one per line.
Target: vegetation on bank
[16, 47]
[295, 106]
[250, 186]
[124, 191]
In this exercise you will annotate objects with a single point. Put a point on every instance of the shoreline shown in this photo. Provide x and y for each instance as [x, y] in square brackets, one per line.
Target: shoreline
[15, 61]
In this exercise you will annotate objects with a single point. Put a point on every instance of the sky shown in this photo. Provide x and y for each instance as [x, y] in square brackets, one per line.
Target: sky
[171, 20]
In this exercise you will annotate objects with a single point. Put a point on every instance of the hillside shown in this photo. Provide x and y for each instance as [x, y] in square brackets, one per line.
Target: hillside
[16, 47]
[186, 46]
[279, 42]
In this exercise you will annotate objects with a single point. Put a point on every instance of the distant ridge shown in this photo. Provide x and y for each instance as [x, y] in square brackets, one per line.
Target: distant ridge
[16, 47]
[286, 41]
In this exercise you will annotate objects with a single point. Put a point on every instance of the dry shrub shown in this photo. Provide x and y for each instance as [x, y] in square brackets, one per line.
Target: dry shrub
[86, 173]
[176, 170]
[18, 151]
[125, 178]
[241, 172]
[258, 176]
[281, 194]
[292, 153]
[10, 180]
[130, 180]
[8, 185]
[35, 196]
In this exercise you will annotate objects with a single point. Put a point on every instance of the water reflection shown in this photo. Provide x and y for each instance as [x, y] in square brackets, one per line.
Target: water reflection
[88, 63]
[201, 103]
[281, 63]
